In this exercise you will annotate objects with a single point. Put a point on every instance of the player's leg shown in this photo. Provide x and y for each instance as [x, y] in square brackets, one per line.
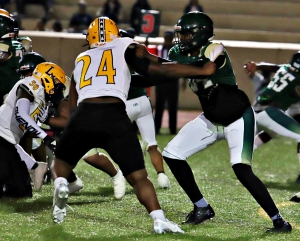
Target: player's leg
[13, 172]
[192, 138]
[240, 138]
[102, 162]
[74, 142]
[126, 152]
[145, 125]
[278, 122]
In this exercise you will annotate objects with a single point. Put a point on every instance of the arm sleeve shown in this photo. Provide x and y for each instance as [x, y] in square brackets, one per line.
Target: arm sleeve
[139, 65]
[22, 116]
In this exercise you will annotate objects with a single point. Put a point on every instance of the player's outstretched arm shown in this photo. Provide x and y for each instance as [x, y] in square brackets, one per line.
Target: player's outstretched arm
[139, 59]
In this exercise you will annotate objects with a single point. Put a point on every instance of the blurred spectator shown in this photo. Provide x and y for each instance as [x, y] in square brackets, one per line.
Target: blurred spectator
[193, 6]
[80, 20]
[135, 13]
[41, 25]
[57, 26]
[166, 92]
[112, 9]
[47, 4]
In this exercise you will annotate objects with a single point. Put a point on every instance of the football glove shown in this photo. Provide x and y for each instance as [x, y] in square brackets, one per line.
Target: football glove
[44, 117]
[50, 142]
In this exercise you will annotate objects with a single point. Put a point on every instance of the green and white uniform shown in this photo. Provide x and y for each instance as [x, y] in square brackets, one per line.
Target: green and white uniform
[8, 68]
[276, 98]
[227, 112]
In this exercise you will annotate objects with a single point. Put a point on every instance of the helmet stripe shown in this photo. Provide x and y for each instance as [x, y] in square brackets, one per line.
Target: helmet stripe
[102, 30]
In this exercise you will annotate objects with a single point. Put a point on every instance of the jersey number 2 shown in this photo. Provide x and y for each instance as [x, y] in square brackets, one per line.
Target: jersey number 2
[105, 68]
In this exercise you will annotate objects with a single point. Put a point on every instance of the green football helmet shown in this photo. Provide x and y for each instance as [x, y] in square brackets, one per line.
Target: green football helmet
[295, 61]
[194, 29]
[6, 27]
[28, 62]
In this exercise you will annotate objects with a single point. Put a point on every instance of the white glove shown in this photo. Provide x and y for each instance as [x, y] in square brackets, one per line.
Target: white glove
[43, 116]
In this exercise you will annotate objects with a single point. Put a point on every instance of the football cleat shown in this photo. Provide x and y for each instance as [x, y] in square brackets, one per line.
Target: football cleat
[37, 175]
[280, 226]
[163, 181]
[60, 198]
[119, 185]
[166, 227]
[296, 198]
[199, 215]
[75, 186]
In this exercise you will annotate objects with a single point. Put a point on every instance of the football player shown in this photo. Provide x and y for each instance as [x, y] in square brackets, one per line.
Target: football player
[227, 114]
[58, 116]
[99, 86]
[10, 53]
[23, 107]
[278, 102]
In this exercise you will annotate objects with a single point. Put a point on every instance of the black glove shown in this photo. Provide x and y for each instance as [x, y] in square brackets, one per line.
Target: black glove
[50, 142]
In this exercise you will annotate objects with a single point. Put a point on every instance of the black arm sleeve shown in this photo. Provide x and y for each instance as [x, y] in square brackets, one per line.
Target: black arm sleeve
[219, 61]
[139, 65]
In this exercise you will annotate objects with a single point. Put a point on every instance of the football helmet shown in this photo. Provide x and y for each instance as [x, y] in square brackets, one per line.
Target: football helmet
[53, 79]
[194, 29]
[6, 24]
[4, 13]
[28, 63]
[101, 30]
[295, 61]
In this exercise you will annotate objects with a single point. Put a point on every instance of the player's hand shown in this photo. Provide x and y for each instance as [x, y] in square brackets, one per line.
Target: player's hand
[44, 117]
[50, 142]
[250, 68]
[209, 68]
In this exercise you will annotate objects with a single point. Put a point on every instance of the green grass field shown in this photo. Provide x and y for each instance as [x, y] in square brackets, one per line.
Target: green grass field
[98, 216]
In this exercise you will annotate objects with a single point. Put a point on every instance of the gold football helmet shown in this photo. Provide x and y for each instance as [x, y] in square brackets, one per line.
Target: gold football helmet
[101, 30]
[53, 79]
[4, 13]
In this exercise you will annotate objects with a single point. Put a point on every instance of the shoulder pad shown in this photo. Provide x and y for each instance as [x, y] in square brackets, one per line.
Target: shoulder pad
[213, 51]
[26, 89]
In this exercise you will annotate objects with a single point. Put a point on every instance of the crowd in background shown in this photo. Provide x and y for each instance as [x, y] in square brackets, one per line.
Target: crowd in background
[80, 19]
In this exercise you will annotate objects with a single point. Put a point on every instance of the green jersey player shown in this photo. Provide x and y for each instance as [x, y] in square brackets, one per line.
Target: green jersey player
[282, 92]
[11, 51]
[227, 114]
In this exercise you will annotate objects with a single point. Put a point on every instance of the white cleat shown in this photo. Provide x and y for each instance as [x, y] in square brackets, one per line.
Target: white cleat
[37, 175]
[163, 181]
[75, 186]
[119, 182]
[60, 198]
[166, 227]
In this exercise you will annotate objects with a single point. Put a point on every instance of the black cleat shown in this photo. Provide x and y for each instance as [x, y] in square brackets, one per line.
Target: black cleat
[298, 179]
[296, 198]
[199, 215]
[280, 226]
